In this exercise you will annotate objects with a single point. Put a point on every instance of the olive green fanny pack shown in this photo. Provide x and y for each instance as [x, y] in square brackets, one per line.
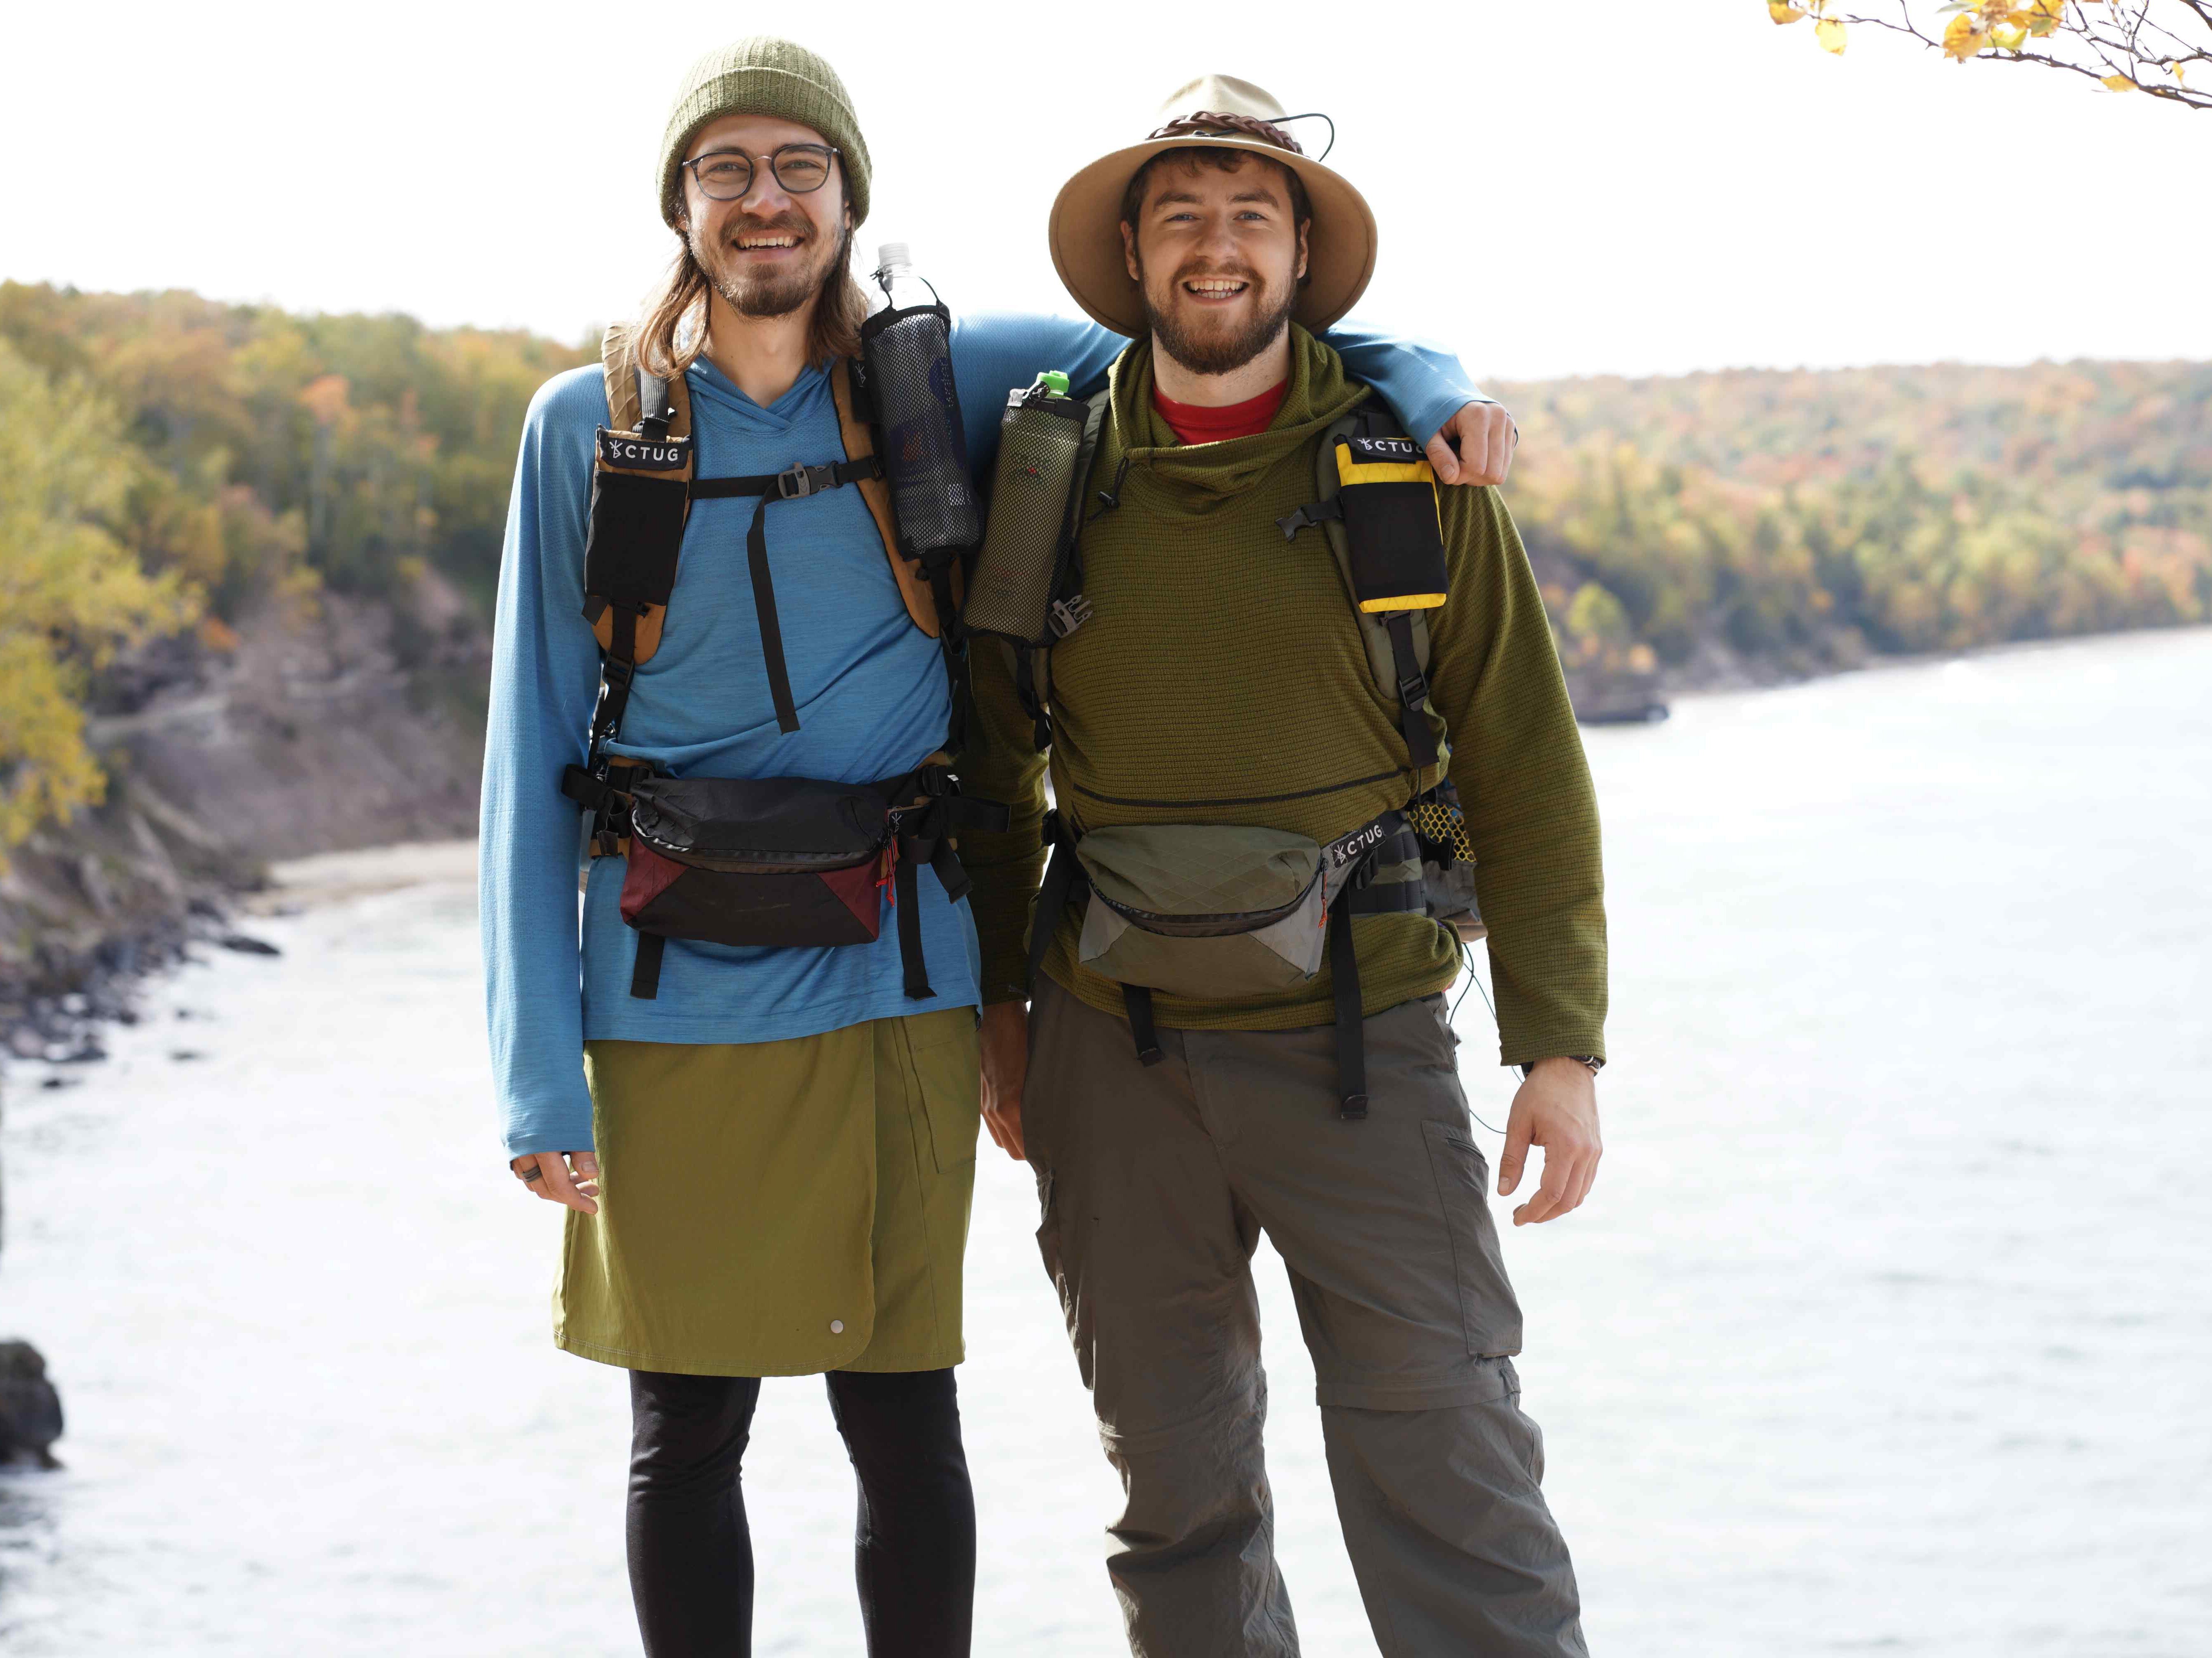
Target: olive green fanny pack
[1214, 913]
[1222, 913]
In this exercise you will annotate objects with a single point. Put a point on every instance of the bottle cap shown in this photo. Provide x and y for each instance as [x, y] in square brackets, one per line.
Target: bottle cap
[894, 256]
[1053, 380]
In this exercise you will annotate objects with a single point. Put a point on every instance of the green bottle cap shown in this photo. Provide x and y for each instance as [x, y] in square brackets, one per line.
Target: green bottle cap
[1053, 380]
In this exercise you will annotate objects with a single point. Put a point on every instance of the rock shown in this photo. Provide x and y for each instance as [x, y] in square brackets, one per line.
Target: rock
[30, 1409]
[245, 945]
[25, 1042]
[186, 1053]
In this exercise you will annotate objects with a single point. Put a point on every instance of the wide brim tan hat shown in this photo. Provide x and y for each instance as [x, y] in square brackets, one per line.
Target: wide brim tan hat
[1086, 216]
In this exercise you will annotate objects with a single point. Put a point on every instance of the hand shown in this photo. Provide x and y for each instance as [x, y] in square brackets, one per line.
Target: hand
[555, 1183]
[1556, 1109]
[1485, 435]
[1006, 1065]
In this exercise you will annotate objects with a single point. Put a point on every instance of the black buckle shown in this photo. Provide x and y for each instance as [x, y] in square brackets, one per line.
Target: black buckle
[796, 482]
[618, 671]
[1413, 691]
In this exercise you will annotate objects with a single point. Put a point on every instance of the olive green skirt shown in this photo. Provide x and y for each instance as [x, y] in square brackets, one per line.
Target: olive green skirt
[777, 1209]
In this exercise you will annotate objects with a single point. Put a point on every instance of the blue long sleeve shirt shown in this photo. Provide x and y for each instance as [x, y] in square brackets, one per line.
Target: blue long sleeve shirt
[869, 685]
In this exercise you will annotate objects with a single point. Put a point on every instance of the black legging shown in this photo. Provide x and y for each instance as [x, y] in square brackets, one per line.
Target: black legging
[692, 1555]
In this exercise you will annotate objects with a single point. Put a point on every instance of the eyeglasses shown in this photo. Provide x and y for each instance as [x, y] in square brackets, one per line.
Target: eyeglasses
[725, 175]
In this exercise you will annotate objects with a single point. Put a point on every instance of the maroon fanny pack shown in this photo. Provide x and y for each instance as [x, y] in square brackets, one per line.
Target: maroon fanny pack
[786, 861]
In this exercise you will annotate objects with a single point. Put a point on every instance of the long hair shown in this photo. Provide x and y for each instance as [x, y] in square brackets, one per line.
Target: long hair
[671, 329]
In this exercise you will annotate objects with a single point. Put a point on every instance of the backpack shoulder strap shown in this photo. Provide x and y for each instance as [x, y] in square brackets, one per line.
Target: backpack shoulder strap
[642, 470]
[861, 443]
[1369, 447]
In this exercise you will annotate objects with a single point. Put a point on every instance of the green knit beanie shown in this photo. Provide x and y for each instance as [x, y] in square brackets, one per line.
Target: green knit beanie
[763, 75]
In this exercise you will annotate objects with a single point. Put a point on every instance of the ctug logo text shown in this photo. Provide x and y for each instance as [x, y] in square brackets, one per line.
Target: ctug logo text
[641, 454]
[1355, 845]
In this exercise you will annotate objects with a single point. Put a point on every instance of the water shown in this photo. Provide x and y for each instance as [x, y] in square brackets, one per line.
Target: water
[1884, 1329]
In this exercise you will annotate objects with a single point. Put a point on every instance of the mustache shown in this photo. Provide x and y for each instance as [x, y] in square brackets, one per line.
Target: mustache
[796, 224]
[1235, 270]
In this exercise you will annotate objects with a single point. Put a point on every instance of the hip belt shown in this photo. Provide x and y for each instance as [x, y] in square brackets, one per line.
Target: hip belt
[776, 861]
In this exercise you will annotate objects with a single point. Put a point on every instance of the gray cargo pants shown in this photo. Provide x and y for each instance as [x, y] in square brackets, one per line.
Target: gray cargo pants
[1156, 1183]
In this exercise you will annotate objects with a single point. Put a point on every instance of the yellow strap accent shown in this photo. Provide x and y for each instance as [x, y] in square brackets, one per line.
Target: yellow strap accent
[1350, 472]
[859, 443]
[1403, 601]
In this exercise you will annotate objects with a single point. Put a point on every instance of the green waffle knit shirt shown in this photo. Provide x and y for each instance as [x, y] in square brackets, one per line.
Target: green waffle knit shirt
[1222, 678]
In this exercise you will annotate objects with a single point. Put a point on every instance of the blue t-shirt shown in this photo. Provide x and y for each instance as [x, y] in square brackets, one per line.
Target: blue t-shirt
[869, 685]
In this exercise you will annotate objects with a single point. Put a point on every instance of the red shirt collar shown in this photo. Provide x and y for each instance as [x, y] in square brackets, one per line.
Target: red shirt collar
[1198, 422]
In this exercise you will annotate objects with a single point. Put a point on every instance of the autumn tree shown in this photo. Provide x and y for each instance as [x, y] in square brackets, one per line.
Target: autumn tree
[71, 592]
[2126, 45]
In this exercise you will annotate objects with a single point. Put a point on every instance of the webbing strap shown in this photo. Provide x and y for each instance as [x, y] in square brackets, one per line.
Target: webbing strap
[793, 484]
[1413, 690]
[1350, 1045]
[771, 625]
[937, 567]
[1062, 876]
[1136, 1002]
[906, 899]
[645, 977]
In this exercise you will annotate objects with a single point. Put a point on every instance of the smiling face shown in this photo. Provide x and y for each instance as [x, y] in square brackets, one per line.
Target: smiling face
[769, 252]
[1216, 244]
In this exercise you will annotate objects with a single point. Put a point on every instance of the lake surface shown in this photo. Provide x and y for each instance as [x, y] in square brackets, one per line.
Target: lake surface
[1886, 1329]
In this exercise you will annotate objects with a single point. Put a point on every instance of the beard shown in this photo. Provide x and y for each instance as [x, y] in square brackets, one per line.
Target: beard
[776, 292]
[1214, 345]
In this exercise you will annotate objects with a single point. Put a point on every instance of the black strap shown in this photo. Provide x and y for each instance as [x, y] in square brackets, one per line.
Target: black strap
[1413, 690]
[1062, 875]
[645, 977]
[906, 891]
[1137, 1001]
[794, 483]
[923, 834]
[771, 626]
[1386, 897]
[937, 567]
[1351, 1046]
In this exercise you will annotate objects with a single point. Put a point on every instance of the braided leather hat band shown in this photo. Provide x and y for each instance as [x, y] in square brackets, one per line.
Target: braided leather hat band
[1204, 125]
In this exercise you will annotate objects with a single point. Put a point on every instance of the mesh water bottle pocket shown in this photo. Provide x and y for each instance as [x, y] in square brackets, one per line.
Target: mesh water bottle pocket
[1040, 446]
[907, 355]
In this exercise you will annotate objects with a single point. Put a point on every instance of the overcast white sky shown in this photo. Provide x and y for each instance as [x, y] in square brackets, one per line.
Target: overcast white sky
[1563, 187]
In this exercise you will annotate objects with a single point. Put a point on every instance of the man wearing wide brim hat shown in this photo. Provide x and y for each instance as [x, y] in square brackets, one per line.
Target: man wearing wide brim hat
[1087, 248]
[1217, 713]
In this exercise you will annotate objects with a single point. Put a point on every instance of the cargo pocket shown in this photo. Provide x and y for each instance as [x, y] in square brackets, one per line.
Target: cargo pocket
[1488, 1305]
[942, 1049]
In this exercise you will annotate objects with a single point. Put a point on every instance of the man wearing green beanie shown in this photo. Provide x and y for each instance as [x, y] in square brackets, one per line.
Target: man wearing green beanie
[766, 1153]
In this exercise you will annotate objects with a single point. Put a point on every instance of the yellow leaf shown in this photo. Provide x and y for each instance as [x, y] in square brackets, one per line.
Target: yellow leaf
[2118, 83]
[1782, 12]
[1830, 33]
[2045, 17]
[2010, 36]
[1965, 36]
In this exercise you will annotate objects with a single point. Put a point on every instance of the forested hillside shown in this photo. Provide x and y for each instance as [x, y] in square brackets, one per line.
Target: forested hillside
[1761, 524]
[186, 482]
